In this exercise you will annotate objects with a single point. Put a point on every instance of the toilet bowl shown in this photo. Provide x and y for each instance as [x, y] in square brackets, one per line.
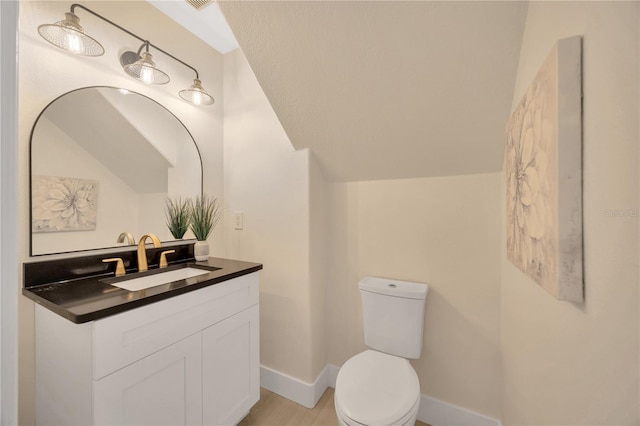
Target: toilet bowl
[376, 389]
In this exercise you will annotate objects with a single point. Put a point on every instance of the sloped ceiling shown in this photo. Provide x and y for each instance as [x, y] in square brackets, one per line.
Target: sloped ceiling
[383, 90]
[100, 128]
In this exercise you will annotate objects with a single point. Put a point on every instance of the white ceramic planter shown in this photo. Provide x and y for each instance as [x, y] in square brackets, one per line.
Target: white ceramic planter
[201, 250]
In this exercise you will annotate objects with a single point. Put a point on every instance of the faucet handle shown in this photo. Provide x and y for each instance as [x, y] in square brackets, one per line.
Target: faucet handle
[163, 258]
[129, 236]
[119, 265]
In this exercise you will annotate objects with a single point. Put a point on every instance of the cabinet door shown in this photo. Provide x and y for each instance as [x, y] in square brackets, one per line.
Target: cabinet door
[164, 388]
[231, 368]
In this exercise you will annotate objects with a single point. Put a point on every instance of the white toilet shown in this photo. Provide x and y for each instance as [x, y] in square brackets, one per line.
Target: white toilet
[378, 386]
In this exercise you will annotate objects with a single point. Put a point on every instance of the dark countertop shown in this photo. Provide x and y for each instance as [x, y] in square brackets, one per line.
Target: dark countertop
[91, 298]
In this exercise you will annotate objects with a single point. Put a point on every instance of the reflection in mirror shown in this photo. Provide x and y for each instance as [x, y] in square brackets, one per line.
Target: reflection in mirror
[103, 161]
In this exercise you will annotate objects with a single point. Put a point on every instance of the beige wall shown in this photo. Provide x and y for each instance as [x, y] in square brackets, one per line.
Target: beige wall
[318, 228]
[567, 363]
[562, 363]
[46, 72]
[440, 231]
[267, 180]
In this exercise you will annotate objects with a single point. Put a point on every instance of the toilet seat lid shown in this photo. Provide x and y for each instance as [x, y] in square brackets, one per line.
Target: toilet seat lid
[374, 388]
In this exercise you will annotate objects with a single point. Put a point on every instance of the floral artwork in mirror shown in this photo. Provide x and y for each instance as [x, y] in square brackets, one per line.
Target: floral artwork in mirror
[543, 170]
[63, 204]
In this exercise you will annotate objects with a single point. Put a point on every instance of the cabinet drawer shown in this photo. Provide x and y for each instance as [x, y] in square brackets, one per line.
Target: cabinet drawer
[122, 339]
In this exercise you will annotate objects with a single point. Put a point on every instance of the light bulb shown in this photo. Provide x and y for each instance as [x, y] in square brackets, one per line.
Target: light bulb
[197, 98]
[73, 43]
[146, 74]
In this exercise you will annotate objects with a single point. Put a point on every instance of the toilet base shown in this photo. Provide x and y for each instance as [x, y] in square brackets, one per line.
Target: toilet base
[408, 420]
[342, 423]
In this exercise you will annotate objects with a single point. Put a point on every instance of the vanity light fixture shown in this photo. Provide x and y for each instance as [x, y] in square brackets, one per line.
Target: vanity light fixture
[196, 94]
[143, 69]
[70, 36]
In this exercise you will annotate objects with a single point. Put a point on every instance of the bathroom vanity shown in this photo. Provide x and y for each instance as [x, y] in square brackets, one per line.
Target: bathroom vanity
[184, 352]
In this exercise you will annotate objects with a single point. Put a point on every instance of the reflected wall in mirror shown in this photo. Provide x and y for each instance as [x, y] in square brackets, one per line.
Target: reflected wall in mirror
[103, 161]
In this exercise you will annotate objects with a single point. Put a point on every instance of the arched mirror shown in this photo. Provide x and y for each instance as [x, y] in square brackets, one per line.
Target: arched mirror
[103, 162]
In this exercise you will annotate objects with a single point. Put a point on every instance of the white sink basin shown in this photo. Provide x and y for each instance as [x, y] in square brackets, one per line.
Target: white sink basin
[142, 283]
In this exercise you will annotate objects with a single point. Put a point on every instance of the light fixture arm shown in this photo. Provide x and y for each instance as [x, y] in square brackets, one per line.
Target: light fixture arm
[145, 42]
[145, 45]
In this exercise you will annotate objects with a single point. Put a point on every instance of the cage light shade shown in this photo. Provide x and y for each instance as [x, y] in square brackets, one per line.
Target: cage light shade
[70, 36]
[196, 94]
[145, 70]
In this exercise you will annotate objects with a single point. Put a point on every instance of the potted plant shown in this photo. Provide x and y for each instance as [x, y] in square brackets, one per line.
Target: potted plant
[178, 214]
[205, 214]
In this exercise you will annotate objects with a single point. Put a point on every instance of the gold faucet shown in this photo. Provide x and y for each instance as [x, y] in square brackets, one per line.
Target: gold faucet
[142, 252]
[129, 236]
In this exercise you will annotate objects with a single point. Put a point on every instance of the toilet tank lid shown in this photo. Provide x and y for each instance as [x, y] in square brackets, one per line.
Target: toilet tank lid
[397, 288]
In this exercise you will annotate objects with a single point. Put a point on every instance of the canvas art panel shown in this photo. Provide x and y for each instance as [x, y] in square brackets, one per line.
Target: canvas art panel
[543, 169]
[61, 204]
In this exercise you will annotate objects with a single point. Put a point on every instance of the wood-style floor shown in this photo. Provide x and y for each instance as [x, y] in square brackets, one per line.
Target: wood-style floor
[274, 410]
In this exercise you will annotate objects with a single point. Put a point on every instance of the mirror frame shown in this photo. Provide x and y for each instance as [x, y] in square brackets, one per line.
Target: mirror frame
[31, 168]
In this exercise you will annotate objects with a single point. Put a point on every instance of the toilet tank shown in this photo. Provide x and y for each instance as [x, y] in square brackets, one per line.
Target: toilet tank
[393, 315]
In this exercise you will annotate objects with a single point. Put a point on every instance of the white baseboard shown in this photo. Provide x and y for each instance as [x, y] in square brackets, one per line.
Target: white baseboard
[303, 393]
[439, 413]
[332, 374]
[432, 410]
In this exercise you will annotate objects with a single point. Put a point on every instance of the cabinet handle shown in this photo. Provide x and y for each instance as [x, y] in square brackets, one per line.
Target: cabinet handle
[119, 265]
[163, 258]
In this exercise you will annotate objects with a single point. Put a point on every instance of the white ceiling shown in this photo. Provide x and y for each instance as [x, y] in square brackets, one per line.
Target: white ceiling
[207, 23]
[382, 89]
[385, 90]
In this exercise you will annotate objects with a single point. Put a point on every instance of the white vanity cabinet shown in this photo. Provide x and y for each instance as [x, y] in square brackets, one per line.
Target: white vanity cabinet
[191, 359]
[230, 368]
[164, 388]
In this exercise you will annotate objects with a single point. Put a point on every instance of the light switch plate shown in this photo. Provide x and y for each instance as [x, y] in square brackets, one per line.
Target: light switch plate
[237, 220]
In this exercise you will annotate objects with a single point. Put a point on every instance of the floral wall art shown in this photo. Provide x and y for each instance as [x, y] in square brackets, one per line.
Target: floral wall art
[543, 168]
[63, 204]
